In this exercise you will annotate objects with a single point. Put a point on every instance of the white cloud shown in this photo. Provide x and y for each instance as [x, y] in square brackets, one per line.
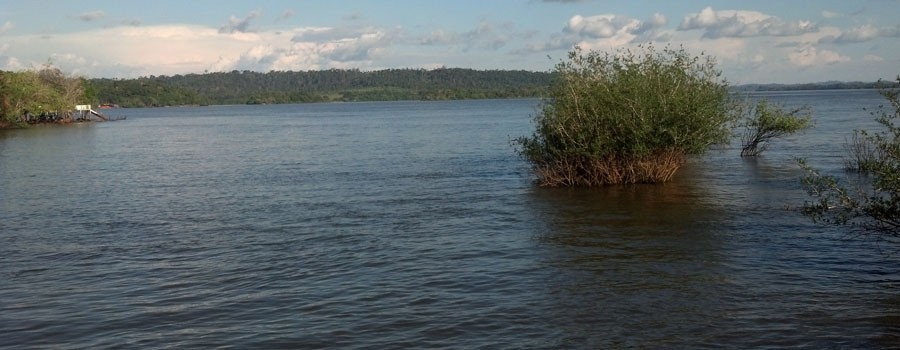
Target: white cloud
[861, 33]
[658, 20]
[178, 49]
[742, 24]
[604, 31]
[608, 26]
[749, 45]
[810, 56]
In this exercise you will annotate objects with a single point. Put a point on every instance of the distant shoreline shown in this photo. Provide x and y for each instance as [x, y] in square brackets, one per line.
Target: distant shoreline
[281, 87]
[832, 85]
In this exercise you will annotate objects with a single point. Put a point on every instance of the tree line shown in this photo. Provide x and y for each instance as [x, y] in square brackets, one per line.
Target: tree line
[248, 87]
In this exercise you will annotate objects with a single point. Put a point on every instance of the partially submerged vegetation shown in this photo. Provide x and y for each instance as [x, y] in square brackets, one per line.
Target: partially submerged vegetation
[766, 122]
[874, 205]
[627, 117]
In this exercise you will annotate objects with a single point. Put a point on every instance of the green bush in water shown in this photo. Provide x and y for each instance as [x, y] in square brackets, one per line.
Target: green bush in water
[627, 117]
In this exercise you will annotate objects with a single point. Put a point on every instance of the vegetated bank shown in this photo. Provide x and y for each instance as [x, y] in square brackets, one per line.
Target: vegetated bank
[42, 96]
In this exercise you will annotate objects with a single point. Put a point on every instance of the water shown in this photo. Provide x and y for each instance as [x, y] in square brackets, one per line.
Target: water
[415, 225]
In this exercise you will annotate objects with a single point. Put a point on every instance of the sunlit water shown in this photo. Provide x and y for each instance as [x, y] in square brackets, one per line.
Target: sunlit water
[415, 225]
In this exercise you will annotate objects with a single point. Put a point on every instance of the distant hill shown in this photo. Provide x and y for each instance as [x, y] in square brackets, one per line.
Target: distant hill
[827, 85]
[247, 87]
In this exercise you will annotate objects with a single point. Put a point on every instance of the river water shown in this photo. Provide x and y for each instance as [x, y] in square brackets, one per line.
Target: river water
[415, 225]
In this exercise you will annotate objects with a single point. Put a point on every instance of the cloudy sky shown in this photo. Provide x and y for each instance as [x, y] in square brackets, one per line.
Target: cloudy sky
[755, 41]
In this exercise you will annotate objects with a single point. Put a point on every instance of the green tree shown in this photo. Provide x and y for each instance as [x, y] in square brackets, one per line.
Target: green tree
[33, 92]
[874, 206]
[627, 117]
[767, 122]
[20, 92]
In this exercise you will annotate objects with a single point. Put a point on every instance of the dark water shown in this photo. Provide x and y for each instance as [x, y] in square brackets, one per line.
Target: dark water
[414, 225]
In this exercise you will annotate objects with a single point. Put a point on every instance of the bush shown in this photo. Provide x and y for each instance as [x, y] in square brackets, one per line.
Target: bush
[627, 117]
[863, 155]
[875, 207]
[770, 122]
[33, 92]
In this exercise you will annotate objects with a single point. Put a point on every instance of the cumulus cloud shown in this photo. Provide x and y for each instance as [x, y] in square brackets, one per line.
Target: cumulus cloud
[742, 24]
[602, 26]
[91, 16]
[859, 34]
[657, 21]
[810, 56]
[363, 48]
[349, 44]
[604, 30]
[607, 26]
[239, 25]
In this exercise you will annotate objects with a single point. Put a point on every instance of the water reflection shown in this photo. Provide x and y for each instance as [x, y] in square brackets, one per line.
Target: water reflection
[712, 259]
[637, 265]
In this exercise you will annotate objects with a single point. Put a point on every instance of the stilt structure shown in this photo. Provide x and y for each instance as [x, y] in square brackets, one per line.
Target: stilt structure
[86, 111]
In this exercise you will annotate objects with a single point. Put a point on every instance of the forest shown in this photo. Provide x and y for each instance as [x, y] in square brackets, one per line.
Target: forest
[50, 90]
[334, 85]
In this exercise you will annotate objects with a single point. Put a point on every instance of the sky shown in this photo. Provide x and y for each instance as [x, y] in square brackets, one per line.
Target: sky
[761, 41]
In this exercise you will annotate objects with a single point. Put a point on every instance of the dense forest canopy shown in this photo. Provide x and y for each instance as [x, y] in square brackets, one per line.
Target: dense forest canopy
[248, 87]
[40, 87]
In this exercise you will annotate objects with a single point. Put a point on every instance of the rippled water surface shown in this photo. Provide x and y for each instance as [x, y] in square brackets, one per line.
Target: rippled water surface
[415, 225]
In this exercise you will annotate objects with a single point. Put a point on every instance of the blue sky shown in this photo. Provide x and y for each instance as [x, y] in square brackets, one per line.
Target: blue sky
[755, 42]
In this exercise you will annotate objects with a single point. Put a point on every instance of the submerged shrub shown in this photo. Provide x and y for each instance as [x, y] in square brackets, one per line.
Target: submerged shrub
[627, 117]
[862, 153]
[875, 206]
[767, 122]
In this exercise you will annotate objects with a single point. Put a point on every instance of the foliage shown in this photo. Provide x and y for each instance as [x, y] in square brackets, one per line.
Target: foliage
[863, 154]
[769, 122]
[627, 117]
[239, 87]
[33, 92]
[875, 207]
